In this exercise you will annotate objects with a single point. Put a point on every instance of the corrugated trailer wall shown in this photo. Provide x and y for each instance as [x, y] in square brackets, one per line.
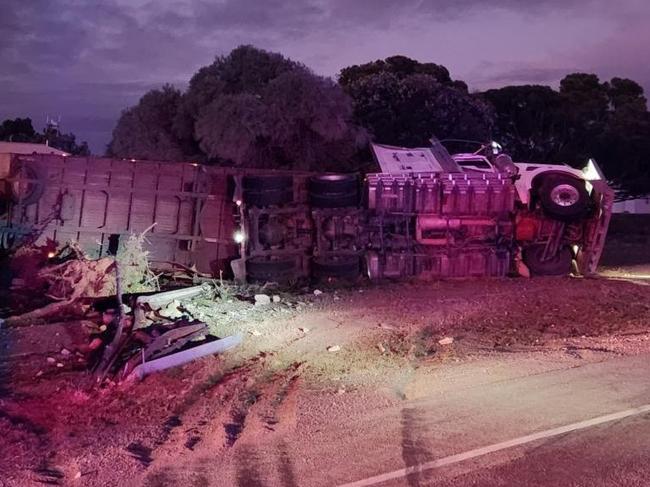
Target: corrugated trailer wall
[186, 208]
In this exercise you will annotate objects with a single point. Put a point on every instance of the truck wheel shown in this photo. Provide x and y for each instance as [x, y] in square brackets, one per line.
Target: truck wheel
[27, 192]
[263, 191]
[334, 191]
[347, 267]
[270, 270]
[564, 197]
[558, 265]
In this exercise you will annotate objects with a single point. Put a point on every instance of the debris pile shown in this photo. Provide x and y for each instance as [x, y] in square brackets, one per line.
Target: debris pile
[155, 333]
[133, 330]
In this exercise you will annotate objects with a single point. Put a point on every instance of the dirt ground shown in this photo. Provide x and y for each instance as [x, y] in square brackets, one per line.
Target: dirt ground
[304, 363]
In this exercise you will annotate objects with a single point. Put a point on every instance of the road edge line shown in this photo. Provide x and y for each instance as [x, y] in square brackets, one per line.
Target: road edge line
[477, 452]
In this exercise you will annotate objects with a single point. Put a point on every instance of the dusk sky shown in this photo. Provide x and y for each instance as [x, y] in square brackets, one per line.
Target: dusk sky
[87, 60]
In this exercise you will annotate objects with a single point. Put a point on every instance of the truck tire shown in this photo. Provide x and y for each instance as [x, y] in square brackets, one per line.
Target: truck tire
[334, 191]
[271, 190]
[270, 270]
[348, 267]
[29, 192]
[559, 265]
[564, 197]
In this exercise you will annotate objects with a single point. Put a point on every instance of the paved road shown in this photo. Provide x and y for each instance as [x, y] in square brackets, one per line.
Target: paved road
[614, 453]
[351, 437]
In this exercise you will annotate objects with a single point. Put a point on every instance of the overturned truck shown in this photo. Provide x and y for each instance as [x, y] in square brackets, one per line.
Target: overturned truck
[427, 214]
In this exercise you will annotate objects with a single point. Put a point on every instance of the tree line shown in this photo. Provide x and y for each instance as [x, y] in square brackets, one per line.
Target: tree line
[260, 109]
[22, 130]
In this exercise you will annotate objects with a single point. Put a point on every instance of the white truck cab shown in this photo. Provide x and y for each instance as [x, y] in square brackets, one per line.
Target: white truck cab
[569, 188]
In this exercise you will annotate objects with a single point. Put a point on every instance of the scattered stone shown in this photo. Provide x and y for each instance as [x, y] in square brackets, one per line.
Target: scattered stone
[255, 333]
[336, 298]
[317, 292]
[276, 298]
[59, 365]
[381, 348]
[304, 330]
[77, 475]
[39, 373]
[262, 300]
[341, 390]
[333, 348]
[51, 360]
[65, 352]
[446, 341]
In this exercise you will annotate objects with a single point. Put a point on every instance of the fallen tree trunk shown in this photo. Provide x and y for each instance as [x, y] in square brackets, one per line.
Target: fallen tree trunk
[73, 307]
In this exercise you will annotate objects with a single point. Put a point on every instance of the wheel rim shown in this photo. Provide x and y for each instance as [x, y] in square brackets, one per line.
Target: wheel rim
[565, 195]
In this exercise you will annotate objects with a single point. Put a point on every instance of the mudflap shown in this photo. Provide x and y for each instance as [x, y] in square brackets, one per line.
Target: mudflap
[594, 242]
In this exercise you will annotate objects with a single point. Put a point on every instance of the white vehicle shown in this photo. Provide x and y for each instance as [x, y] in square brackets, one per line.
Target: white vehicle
[563, 191]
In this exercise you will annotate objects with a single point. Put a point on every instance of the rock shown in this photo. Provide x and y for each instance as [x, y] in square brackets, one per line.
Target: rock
[446, 341]
[59, 365]
[51, 360]
[65, 352]
[304, 330]
[262, 300]
[39, 373]
[381, 348]
[341, 390]
[317, 292]
[276, 298]
[333, 348]
[77, 475]
[255, 333]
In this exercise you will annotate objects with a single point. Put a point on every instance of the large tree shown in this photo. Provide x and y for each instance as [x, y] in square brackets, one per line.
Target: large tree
[404, 102]
[145, 130]
[529, 122]
[250, 108]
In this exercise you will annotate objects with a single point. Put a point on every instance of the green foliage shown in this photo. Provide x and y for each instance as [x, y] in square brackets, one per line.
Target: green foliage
[404, 102]
[251, 108]
[133, 262]
[18, 130]
[400, 66]
[586, 118]
[145, 130]
[22, 130]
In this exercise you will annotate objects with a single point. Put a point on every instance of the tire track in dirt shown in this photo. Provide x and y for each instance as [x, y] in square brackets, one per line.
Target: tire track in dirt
[239, 404]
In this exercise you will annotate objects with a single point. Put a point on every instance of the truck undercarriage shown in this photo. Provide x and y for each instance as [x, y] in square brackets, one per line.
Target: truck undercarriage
[283, 226]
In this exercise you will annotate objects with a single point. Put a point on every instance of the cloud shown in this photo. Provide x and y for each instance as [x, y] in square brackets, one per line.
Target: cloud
[88, 60]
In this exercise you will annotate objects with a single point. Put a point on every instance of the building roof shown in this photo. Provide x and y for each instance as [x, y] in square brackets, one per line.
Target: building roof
[27, 148]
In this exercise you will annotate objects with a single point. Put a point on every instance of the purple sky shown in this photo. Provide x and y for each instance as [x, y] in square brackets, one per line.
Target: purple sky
[87, 60]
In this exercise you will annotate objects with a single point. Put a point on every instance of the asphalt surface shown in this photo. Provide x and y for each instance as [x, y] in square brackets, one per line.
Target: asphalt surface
[613, 453]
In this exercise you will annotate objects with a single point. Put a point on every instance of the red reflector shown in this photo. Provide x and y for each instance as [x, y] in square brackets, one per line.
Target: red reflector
[526, 229]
